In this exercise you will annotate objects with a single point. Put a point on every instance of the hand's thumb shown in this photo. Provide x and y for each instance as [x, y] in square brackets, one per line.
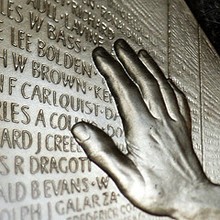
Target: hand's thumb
[101, 149]
[96, 143]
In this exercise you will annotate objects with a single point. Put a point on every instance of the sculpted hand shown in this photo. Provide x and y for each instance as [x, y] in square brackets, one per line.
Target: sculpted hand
[160, 170]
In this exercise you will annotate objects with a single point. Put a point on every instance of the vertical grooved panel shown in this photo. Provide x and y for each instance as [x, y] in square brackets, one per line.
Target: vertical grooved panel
[184, 62]
[210, 63]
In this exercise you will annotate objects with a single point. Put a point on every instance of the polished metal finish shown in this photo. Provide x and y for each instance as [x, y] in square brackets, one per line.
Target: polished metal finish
[61, 63]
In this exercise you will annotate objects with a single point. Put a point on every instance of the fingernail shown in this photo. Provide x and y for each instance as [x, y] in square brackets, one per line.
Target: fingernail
[99, 51]
[81, 133]
[123, 44]
[145, 54]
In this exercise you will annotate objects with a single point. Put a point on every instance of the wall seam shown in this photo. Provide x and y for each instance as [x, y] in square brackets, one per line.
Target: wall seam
[201, 96]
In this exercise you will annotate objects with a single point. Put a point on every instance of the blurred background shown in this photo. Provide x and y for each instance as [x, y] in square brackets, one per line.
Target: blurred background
[207, 13]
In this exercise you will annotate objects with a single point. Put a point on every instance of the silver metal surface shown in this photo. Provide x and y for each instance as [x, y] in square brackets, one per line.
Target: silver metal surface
[49, 81]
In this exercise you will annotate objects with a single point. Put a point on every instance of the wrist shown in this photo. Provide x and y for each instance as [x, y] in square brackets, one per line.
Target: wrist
[198, 201]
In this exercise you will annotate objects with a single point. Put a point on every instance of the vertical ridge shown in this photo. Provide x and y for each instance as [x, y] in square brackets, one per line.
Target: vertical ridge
[201, 96]
[168, 38]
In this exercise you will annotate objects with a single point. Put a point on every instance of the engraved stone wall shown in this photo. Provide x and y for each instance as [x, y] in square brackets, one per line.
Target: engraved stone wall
[48, 83]
[210, 109]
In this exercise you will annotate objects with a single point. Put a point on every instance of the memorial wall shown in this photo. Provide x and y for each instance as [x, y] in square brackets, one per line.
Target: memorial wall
[48, 82]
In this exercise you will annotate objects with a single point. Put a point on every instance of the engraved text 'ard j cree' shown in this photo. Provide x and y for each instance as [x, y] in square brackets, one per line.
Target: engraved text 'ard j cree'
[48, 83]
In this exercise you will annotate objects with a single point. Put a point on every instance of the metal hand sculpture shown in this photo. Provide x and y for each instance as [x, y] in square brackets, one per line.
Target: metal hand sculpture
[160, 174]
